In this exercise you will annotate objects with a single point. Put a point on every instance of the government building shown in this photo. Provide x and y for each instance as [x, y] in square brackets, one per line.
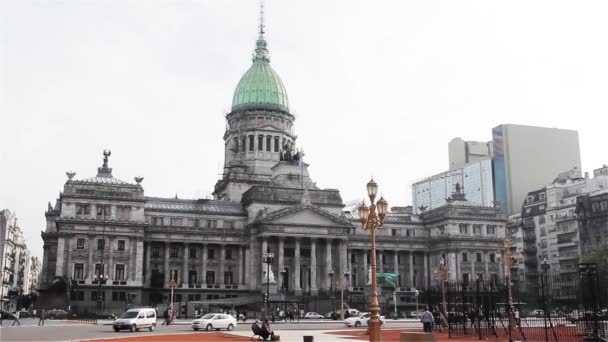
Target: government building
[114, 246]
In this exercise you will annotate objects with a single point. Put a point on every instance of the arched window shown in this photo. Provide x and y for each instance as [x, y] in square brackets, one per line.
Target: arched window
[243, 144]
[268, 143]
[236, 144]
[276, 144]
[260, 143]
[251, 143]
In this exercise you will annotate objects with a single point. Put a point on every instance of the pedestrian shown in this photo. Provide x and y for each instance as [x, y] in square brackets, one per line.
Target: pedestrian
[166, 317]
[173, 315]
[41, 317]
[427, 320]
[291, 319]
[16, 319]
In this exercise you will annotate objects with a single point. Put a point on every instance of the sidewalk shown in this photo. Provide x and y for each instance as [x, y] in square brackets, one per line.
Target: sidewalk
[303, 321]
[297, 335]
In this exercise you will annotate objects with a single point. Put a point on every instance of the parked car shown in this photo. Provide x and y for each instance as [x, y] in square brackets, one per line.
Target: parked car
[313, 315]
[415, 314]
[56, 314]
[360, 320]
[23, 314]
[135, 319]
[215, 321]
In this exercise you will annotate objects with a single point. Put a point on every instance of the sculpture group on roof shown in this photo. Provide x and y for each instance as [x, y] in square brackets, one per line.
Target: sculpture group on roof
[287, 154]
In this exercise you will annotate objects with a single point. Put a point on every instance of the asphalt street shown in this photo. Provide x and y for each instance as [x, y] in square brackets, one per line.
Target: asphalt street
[65, 331]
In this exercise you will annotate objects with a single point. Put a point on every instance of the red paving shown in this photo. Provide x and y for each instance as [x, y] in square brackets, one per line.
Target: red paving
[393, 335]
[198, 337]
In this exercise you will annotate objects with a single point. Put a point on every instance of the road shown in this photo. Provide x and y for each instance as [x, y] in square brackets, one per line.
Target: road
[64, 331]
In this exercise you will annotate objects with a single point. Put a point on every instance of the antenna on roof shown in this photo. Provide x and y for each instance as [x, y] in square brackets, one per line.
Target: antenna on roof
[261, 19]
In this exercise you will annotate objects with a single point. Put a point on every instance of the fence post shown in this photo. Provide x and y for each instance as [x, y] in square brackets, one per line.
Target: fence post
[477, 300]
[542, 291]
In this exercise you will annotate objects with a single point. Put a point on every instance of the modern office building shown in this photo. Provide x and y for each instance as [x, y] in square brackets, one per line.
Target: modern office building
[475, 180]
[463, 152]
[527, 157]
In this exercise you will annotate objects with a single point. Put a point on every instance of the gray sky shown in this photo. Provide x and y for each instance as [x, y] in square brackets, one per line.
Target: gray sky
[378, 87]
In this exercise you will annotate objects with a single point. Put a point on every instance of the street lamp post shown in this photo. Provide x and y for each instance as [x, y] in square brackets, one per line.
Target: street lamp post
[331, 291]
[173, 281]
[102, 277]
[372, 218]
[268, 258]
[343, 284]
[416, 294]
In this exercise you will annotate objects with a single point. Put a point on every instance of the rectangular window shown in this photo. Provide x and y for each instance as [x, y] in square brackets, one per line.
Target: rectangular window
[80, 244]
[79, 271]
[478, 257]
[491, 229]
[83, 209]
[119, 273]
[530, 199]
[463, 228]
[543, 244]
[99, 269]
[492, 257]
[542, 196]
[228, 278]
[192, 253]
[173, 252]
[210, 277]
[121, 245]
[103, 211]
[477, 229]
[268, 143]
[101, 244]
[94, 296]
[394, 232]
[197, 222]
[243, 146]
[155, 251]
[228, 254]
[176, 221]
[251, 142]
[276, 144]
[260, 143]
[465, 257]
[543, 232]
[210, 253]
[231, 224]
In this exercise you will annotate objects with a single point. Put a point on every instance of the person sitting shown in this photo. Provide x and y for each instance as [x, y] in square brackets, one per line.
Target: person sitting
[267, 333]
[256, 329]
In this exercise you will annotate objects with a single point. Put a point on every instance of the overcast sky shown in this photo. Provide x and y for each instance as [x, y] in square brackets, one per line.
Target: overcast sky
[378, 87]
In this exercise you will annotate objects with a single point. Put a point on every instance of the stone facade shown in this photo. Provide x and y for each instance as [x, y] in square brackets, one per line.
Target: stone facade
[264, 202]
[14, 261]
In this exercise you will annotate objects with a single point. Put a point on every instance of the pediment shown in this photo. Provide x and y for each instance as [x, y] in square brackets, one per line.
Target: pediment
[304, 215]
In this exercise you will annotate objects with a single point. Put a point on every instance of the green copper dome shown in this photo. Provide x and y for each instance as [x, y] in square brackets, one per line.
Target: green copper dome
[260, 86]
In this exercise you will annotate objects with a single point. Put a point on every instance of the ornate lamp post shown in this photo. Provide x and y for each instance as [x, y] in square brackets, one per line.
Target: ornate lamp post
[173, 281]
[331, 291]
[268, 258]
[343, 285]
[101, 279]
[372, 218]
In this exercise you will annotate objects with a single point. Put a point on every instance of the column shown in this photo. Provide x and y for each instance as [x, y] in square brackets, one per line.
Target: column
[247, 261]
[264, 245]
[485, 260]
[343, 258]
[110, 269]
[426, 270]
[91, 266]
[222, 258]
[185, 265]
[349, 259]
[204, 266]
[68, 264]
[296, 270]
[365, 272]
[239, 277]
[148, 265]
[278, 273]
[473, 257]
[411, 269]
[313, 266]
[453, 271]
[139, 259]
[59, 263]
[45, 265]
[166, 268]
[396, 265]
[328, 265]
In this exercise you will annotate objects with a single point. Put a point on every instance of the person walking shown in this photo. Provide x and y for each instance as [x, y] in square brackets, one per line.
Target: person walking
[427, 320]
[166, 317]
[42, 317]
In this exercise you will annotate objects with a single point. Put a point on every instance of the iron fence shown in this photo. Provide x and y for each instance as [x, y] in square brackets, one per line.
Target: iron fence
[560, 306]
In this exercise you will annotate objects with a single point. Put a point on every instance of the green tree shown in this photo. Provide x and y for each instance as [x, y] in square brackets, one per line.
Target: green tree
[599, 256]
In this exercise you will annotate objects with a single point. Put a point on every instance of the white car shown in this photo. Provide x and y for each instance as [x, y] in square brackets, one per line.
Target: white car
[135, 319]
[215, 321]
[360, 320]
[313, 315]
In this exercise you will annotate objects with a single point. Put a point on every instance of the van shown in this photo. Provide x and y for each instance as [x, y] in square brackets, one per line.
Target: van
[135, 319]
[352, 312]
